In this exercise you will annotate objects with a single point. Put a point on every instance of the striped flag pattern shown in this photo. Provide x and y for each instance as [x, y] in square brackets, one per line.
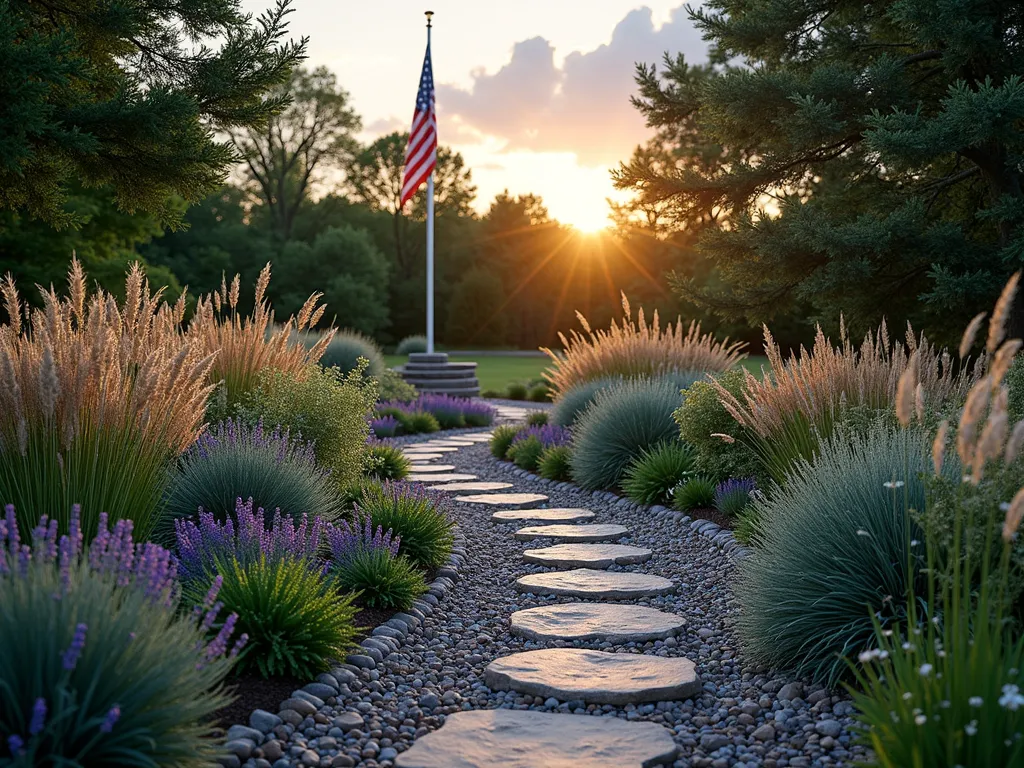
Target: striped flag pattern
[421, 154]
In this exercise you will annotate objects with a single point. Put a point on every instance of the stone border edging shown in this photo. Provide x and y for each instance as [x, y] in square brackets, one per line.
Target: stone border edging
[723, 538]
[243, 741]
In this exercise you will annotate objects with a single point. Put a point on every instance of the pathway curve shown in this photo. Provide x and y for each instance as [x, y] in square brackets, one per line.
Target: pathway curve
[656, 681]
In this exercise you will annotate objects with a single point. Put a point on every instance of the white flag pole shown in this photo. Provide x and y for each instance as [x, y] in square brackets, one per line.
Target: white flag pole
[430, 234]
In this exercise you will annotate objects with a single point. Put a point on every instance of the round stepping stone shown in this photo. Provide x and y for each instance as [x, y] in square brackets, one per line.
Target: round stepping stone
[420, 456]
[429, 449]
[611, 622]
[417, 477]
[451, 444]
[561, 514]
[527, 739]
[570, 533]
[520, 500]
[422, 468]
[587, 555]
[471, 487]
[603, 585]
[596, 677]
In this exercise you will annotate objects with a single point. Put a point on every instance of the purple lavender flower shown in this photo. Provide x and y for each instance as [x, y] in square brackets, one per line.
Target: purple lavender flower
[478, 413]
[549, 435]
[235, 433]
[202, 546]
[15, 743]
[38, 720]
[347, 541]
[239, 645]
[219, 645]
[384, 426]
[74, 650]
[732, 495]
[447, 409]
[113, 715]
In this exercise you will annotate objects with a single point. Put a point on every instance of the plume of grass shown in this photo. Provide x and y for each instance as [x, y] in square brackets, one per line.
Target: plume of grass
[96, 398]
[246, 346]
[637, 348]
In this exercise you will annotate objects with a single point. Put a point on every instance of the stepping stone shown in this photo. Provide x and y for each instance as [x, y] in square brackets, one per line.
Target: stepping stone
[471, 487]
[601, 585]
[450, 444]
[417, 477]
[519, 500]
[421, 468]
[429, 449]
[595, 677]
[484, 438]
[611, 622]
[561, 514]
[528, 739]
[587, 555]
[569, 533]
[420, 456]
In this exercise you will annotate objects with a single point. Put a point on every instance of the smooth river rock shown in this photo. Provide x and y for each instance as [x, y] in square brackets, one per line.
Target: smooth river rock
[504, 499]
[482, 486]
[421, 468]
[587, 555]
[420, 477]
[527, 739]
[588, 583]
[571, 533]
[613, 622]
[595, 677]
[560, 514]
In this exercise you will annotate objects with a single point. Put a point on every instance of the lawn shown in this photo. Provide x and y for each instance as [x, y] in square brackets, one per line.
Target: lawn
[498, 372]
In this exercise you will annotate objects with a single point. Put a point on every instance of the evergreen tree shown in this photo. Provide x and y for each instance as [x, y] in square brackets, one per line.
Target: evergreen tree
[872, 157]
[130, 94]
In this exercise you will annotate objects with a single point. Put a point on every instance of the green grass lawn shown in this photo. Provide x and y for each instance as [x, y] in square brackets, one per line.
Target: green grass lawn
[498, 372]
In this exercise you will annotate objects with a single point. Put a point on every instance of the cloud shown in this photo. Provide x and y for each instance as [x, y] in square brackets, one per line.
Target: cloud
[582, 106]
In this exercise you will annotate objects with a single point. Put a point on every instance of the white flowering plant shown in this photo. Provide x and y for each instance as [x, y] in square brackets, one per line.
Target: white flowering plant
[944, 688]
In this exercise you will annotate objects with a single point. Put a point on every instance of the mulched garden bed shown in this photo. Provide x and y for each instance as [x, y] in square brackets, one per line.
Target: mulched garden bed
[712, 514]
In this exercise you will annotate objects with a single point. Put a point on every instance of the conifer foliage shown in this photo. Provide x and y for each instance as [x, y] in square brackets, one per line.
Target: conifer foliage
[130, 93]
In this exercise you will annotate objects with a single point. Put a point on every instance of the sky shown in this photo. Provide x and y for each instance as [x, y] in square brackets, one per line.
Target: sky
[534, 94]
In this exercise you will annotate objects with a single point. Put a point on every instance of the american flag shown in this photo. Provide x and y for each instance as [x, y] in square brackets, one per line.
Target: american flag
[421, 154]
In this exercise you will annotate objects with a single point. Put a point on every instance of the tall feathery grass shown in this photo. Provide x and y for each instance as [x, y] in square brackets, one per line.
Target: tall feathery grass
[96, 399]
[246, 346]
[798, 402]
[637, 348]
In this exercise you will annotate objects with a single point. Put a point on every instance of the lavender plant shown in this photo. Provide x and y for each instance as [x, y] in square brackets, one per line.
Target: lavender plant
[366, 560]
[384, 426]
[446, 409]
[234, 460]
[418, 516]
[733, 496]
[98, 665]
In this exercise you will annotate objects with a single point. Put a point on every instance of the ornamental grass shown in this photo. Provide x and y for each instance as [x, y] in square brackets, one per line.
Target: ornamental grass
[246, 346]
[97, 396]
[799, 400]
[637, 349]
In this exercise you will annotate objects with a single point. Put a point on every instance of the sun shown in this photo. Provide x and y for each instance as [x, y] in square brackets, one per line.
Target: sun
[586, 220]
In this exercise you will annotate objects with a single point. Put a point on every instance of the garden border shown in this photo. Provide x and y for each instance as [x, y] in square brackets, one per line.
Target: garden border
[243, 741]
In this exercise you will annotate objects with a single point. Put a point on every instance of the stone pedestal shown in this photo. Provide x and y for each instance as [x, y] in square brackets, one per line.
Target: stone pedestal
[431, 372]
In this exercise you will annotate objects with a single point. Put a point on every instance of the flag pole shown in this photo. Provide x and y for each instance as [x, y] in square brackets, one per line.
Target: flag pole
[430, 235]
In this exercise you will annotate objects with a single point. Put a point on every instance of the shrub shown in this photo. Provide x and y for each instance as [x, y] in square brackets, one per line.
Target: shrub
[571, 403]
[95, 400]
[622, 422]
[733, 496]
[695, 492]
[637, 349]
[326, 407]
[478, 414]
[653, 474]
[234, 461]
[537, 419]
[345, 349]
[367, 561]
[830, 550]
[245, 348]
[416, 343]
[525, 453]
[516, 391]
[98, 666]
[722, 446]
[745, 528]
[392, 387]
[422, 422]
[384, 426]
[502, 440]
[491, 393]
[414, 514]
[353, 492]
[789, 411]
[446, 409]
[539, 393]
[554, 463]
[385, 461]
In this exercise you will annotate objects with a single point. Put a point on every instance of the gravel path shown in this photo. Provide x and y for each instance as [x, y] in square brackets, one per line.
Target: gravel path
[745, 716]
